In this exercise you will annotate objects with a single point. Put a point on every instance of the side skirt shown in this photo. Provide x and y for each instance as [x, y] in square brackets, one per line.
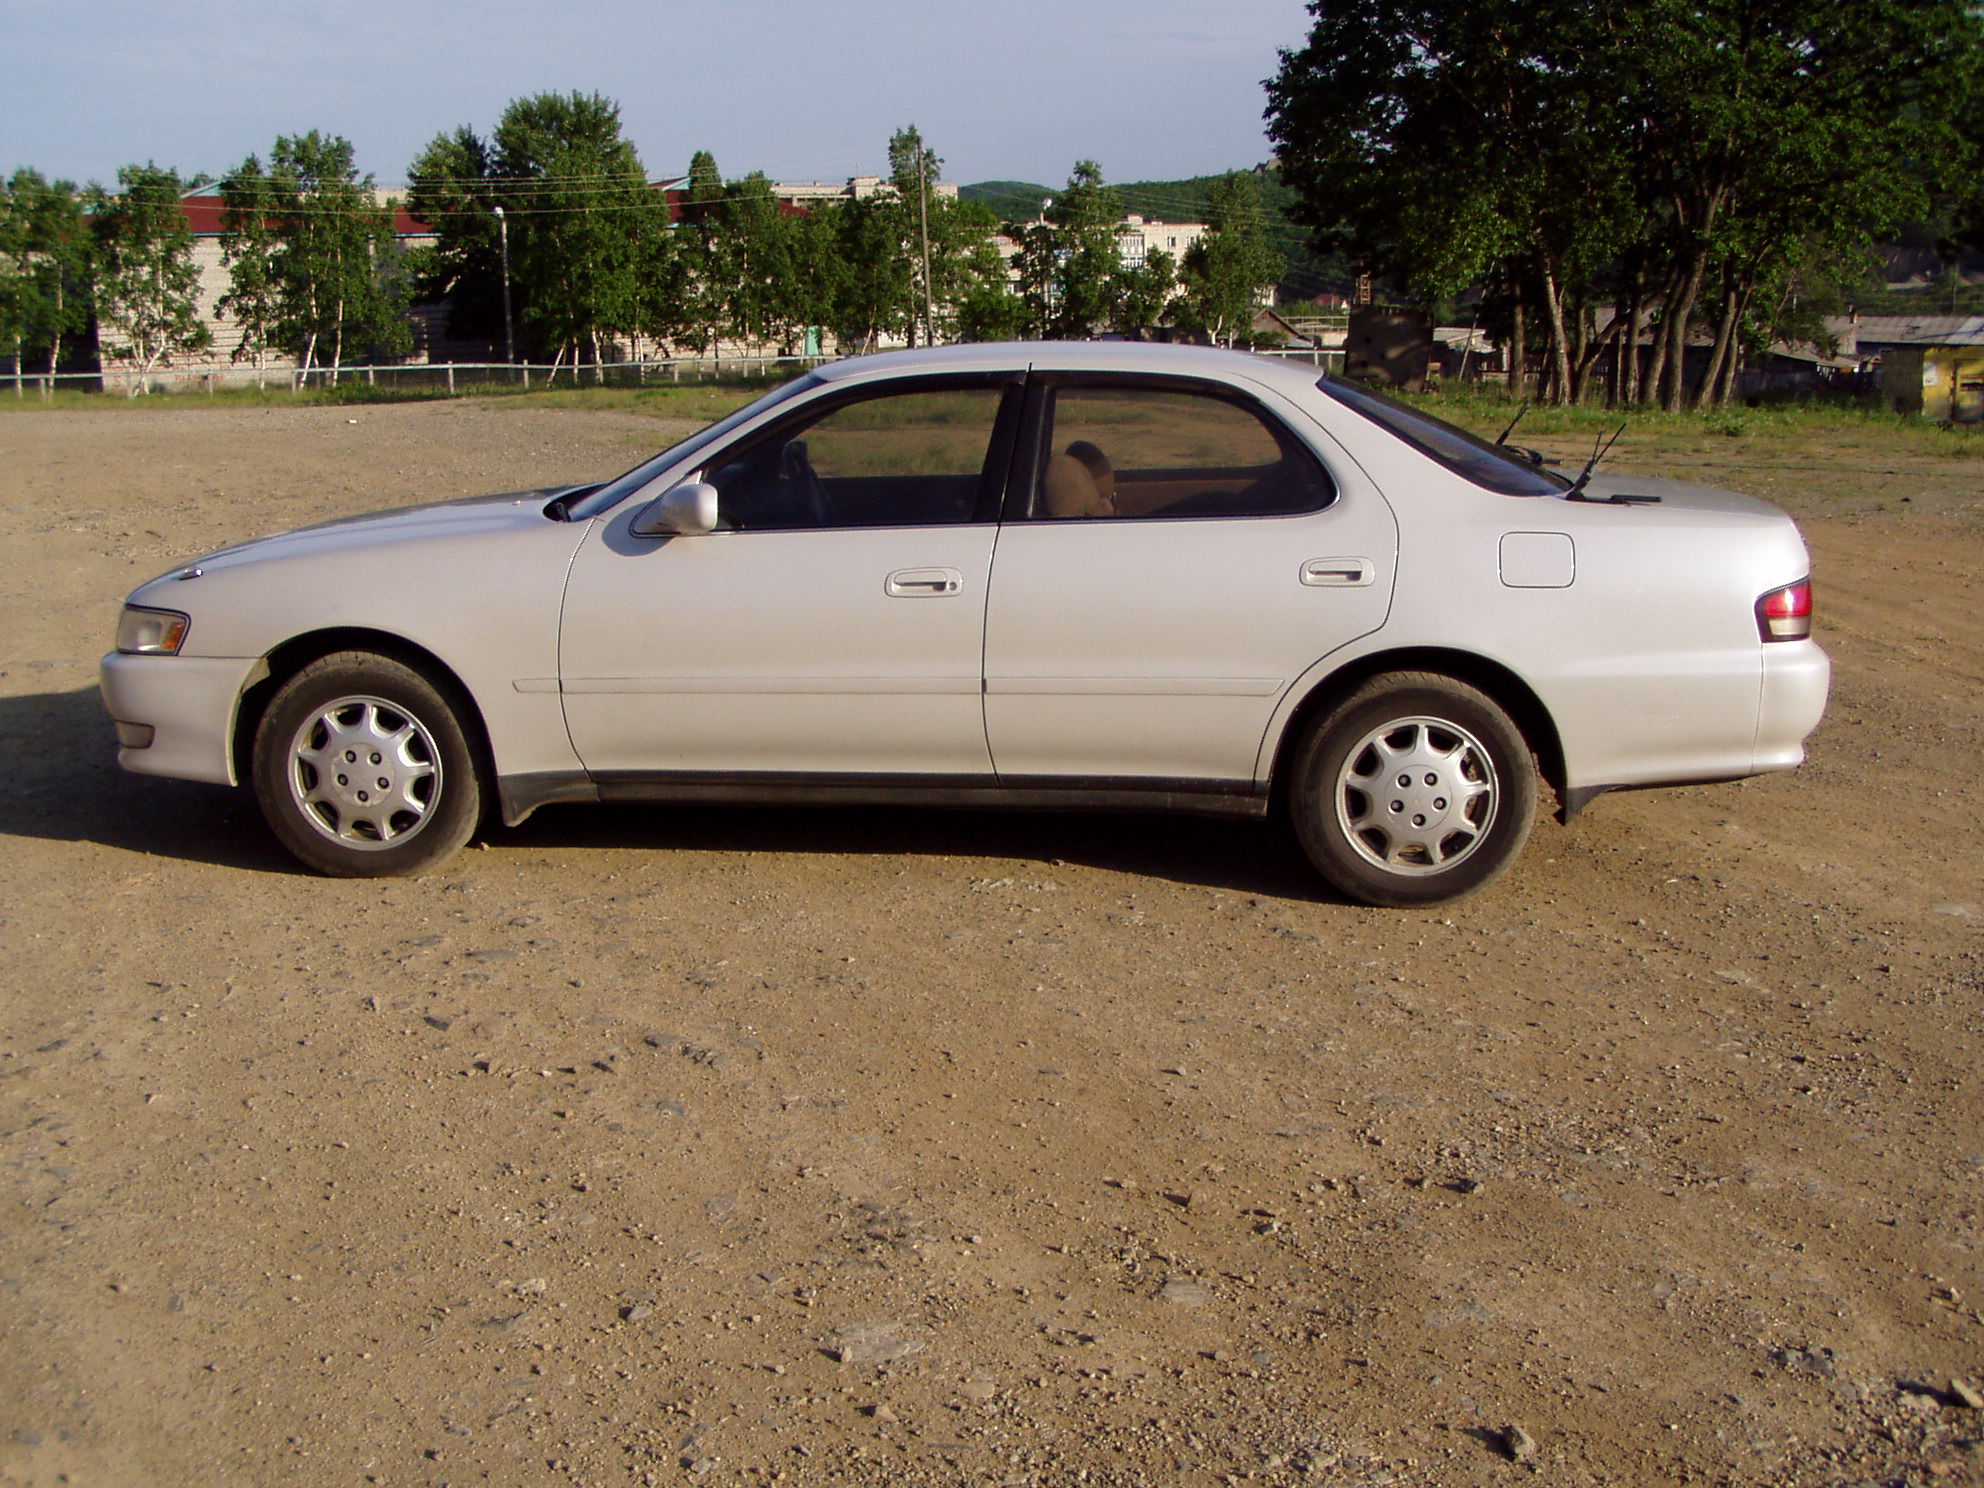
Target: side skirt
[522, 794]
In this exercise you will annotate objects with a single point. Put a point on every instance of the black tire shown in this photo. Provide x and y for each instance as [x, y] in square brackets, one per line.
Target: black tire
[1414, 789]
[420, 796]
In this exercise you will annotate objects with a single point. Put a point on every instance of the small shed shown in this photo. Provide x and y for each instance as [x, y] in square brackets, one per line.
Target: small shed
[1944, 383]
[1931, 364]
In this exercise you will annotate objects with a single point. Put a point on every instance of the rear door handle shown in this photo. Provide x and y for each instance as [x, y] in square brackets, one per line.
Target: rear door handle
[924, 583]
[1338, 573]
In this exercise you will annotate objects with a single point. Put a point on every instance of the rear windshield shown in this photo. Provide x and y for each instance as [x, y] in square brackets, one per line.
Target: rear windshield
[1491, 466]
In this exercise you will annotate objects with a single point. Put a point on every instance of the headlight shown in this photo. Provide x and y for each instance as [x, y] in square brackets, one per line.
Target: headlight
[143, 632]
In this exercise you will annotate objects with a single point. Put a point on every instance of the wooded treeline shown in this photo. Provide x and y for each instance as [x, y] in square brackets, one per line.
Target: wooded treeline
[598, 257]
[551, 241]
[1620, 178]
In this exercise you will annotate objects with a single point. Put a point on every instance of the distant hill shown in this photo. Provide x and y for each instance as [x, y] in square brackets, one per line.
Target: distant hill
[1307, 274]
[1014, 201]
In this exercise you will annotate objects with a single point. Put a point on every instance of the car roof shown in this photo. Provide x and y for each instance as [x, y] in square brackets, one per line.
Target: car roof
[1075, 356]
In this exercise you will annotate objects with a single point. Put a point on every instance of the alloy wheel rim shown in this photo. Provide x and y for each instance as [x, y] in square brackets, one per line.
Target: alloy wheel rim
[1417, 796]
[364, 773]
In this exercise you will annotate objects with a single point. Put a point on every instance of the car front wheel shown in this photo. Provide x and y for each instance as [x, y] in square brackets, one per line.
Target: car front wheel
[1414, 789]
[363, 770]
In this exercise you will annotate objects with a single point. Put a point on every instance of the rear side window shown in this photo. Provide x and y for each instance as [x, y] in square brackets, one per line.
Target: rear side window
[1489, 466]
[1158, 452]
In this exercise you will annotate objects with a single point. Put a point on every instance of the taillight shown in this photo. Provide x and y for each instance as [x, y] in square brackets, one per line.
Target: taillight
[1786, 614]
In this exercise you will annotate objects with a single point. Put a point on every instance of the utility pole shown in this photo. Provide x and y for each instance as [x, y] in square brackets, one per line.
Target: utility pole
[503, 237]
[923, 227]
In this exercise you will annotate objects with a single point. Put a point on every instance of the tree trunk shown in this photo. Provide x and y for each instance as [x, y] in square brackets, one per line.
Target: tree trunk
[1626, 380]
[1581, 334]
[54, 343]
[1656, 371]
[1681, 310]
[337, 342]
[1725, 334]
[1726, 380]
[1518, 344]
[1590, 353]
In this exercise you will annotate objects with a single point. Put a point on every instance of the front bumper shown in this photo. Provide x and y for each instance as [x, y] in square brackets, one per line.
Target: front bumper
[188, 702]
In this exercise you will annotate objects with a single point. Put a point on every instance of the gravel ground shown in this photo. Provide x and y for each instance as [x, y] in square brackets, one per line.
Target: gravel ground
[657, 1146]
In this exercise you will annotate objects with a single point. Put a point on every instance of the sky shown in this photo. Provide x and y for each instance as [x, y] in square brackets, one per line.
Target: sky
[801, 89]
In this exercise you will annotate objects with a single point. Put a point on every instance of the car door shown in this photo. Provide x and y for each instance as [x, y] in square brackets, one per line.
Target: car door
[834, 623]
[1174, 557]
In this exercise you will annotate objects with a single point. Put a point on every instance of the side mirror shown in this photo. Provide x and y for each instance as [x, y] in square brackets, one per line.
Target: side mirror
[686, 511]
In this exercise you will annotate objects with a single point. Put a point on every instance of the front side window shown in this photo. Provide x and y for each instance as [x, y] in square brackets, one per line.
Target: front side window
[1139, 451]
[896, 459]
[639, 478]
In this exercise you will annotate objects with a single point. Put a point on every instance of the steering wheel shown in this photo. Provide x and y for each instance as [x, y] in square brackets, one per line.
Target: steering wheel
[810, 495]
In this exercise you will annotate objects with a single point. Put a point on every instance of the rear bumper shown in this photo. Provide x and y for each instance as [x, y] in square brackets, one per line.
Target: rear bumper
[1797, 680]
[188, 702]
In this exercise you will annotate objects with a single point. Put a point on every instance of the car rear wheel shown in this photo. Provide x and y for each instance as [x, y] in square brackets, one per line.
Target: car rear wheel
[1414, 789]
[363, 769]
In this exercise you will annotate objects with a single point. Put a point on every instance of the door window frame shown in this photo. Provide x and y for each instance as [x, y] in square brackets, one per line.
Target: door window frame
[994, 473]
[1032, 453]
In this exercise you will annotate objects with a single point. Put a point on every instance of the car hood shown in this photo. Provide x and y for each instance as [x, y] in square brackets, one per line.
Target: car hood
[437, 519]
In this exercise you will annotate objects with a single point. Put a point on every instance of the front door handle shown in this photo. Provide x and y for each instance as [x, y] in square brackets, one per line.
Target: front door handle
[1338, 573]
[924, 583]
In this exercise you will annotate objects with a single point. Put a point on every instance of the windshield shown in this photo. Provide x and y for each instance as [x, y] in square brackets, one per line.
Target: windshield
[1491, 466]
[615, 491]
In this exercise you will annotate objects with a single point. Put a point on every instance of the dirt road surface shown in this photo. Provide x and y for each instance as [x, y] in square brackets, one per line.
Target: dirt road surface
[659, 1146]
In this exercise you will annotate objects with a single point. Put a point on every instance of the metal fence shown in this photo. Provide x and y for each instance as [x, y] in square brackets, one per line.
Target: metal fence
[1322, 361]
[434, 378]
[442, 379]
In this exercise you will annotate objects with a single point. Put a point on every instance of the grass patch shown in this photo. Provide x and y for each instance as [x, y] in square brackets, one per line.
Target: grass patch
[1790, 426]
[700, 401]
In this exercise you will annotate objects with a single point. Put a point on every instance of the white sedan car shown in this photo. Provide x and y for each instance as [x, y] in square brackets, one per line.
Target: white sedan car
[1035, 575]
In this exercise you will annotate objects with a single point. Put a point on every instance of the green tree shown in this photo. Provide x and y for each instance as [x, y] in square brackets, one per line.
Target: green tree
[761, 290]
[970, 289]
[1087, 266]
[873, 289]
[577, 199]
[1036, 264]
[696, 312]
[581, 221]
[1228, 270]
[453, 190]
[1143, 293]
[44, 269]
[702, 191]
[984, 307]
[912, 172]
[945, 244]
[312, 256]
[1430, 139]
[1566, 153]
[254, 297]
[1771, 125]
[147, 287]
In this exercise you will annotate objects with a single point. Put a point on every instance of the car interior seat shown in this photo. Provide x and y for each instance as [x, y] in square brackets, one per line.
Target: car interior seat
[1079, 482]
